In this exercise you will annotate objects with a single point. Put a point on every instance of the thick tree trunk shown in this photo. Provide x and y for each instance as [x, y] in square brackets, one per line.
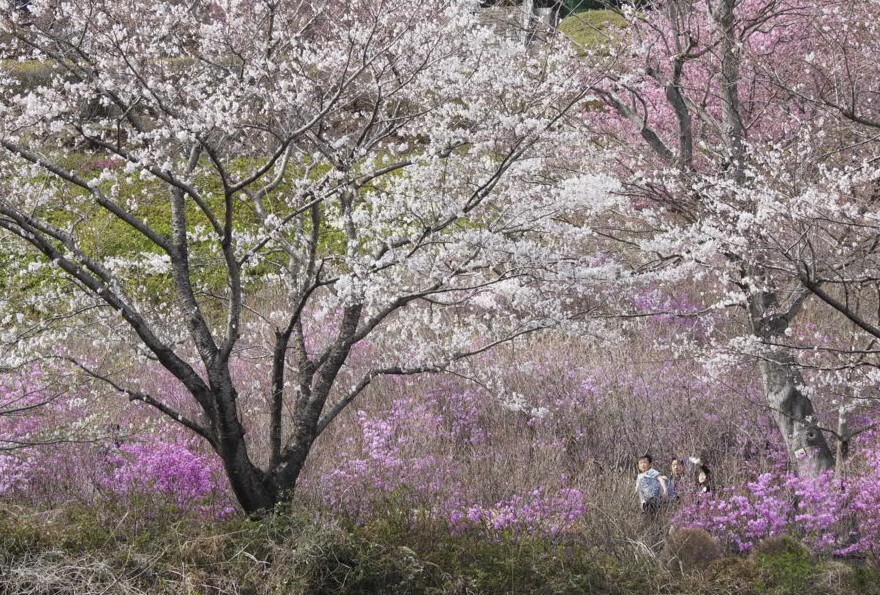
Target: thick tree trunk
[257, 491]
[734, 129]
[794, 414]
[792, 409]
[843, 438]
[247, 482]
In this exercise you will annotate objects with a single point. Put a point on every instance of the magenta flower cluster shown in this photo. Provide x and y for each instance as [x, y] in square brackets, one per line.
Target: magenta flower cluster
[175, 471]
[514, 461]
[385, 460]
[419, 453]
[26, 403]
[15, 470]
[828, 514]
[50, 447]
[535, 513]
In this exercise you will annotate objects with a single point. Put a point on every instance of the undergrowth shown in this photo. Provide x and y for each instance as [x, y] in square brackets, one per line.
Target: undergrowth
[82, 550]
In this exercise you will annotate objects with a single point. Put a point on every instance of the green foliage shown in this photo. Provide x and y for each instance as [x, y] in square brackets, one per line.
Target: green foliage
[785, 566]
[540, 566]
[17, 535]
[508, 564]
[592, 27]
[30, 73]
[93, 532]
[728, 575]
[863, 579]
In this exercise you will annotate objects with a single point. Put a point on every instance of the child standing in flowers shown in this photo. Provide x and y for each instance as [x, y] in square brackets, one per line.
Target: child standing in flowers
[673, 482]
[650, 485]
[703, 479]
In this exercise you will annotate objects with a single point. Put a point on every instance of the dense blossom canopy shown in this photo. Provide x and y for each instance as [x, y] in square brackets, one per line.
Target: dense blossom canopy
[288, 182]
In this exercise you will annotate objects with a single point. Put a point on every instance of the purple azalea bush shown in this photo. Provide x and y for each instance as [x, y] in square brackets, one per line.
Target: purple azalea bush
[169, 470]
[522, 459]
[830, 515]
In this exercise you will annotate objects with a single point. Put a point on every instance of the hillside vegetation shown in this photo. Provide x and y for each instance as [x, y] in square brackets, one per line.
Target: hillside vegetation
[364, 297]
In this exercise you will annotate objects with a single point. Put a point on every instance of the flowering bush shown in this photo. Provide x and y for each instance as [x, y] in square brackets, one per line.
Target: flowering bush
[384, 460]
[522, 456]
[828, 514]
[865, 510]
[40, 411]
[174, 471]
[742, 519]
[15, 470]
[537, 512]
[421, 450]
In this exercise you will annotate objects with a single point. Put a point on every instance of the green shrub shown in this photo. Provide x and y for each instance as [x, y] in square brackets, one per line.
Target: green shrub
[593, 27]
[18, 535]
[865, 579]
[785, 566]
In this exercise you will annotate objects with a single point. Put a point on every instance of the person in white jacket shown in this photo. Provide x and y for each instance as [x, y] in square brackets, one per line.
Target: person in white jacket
[650, 485]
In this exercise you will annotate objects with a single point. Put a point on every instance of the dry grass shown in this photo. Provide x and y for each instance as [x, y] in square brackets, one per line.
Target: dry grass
[61, 574]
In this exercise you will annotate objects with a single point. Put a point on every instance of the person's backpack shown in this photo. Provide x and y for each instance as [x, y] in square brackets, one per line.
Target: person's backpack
[649, 486]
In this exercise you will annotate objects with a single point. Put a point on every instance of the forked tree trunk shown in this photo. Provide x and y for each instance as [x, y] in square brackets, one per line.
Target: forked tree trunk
[256, 490]
[247, 481]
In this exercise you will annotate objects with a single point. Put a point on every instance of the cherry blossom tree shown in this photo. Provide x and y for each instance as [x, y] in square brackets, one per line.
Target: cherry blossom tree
[834, 253]
[331, 195]
[734, 160]
[836, 73]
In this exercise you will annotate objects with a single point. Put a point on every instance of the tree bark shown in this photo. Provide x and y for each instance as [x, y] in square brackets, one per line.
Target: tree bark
[734, 130]
[248, 483]
[528, 21]
[794, 414]
[792, 409]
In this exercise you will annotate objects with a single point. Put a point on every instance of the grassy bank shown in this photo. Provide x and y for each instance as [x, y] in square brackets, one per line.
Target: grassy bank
[82, 550]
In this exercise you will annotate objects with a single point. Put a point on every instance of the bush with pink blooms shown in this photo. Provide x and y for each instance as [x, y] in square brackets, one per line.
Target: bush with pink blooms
[170, 470]
[534, 513]
[53, 447]
[549, 452]
[829, 514]
[37, 418]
